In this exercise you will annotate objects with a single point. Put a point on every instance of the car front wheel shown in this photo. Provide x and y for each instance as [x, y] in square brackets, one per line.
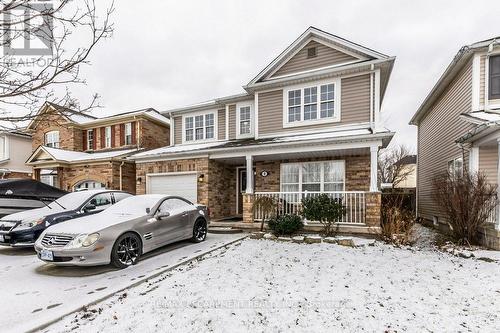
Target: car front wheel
[199, 231]
[126, 250]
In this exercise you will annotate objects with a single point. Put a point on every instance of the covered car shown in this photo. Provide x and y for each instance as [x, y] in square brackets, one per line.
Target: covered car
[22, 229]
[123, 232]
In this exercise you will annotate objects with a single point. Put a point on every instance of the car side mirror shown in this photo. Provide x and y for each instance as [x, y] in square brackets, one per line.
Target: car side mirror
[162, 215]
[89, 207]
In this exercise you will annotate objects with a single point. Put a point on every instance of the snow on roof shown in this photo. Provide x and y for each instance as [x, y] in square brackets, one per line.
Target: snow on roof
[181, 148]
[149, 112]
[483, 116]
[75, 156]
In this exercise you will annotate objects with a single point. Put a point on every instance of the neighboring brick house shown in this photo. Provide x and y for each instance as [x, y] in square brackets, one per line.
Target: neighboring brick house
[15, 148]
[72, 150]
[459, 127]
[309, 122]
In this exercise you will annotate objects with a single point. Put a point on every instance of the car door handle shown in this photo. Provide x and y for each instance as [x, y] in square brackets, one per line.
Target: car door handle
[185, 214]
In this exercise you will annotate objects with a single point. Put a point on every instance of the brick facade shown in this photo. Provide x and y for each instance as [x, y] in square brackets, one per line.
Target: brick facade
[70, 137]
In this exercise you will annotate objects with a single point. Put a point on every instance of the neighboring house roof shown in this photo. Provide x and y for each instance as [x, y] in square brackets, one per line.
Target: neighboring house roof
[409, 159]
[43, 153]
[18, 133]
[87, 119]
[461, 58]
[218, 103]
[303, 139]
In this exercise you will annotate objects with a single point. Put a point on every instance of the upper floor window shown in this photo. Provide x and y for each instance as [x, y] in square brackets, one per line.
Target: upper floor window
[494, 77]
[90, 139]
[199, 127]
[244, 126]
[107, 136]
[456, 167]
[52, 139]
[128, 134]
[312, 103]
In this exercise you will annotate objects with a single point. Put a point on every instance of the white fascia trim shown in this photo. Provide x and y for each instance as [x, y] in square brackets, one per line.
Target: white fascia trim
[175, 173]
[377, 101]
[215, 112]
[174, 158]
[172, 131]
[252, 120]
[476, 79]
[316, 69]
[337, 103]
[340, 127]
[256, 120]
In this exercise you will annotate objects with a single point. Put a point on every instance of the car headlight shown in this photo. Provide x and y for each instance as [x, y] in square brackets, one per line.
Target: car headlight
[84, 240]
[28, 224]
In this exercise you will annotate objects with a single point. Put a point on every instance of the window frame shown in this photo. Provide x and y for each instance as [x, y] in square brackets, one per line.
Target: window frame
[90, 143]
[452, 166]
[128, 127]
[193, 116]
[322, 175]
[107, 137]
[239, 106]
[337, 103]
[4, 152]
[45, 136]
[492, 96]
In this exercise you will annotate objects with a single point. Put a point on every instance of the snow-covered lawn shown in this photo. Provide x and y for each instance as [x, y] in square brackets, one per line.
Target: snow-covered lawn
[262, 285]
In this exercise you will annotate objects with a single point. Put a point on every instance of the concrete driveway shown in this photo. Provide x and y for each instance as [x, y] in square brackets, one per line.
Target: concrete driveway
[34, 293]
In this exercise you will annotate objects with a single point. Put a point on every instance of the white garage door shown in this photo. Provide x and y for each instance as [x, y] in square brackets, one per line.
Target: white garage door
[183, 185]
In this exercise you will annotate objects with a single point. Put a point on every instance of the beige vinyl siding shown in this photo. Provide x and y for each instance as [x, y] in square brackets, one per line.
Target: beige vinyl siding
[355, 107]
[221, 123]
[177, 130]
[232, 122]
[482, 79]
[325, 56]
[488, 160]
[437, 133]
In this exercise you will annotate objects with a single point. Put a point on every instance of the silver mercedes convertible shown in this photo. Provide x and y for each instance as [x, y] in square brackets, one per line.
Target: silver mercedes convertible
[122, 233]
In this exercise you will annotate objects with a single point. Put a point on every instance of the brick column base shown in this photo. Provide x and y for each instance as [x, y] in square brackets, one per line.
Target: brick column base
[247, 208]
[373, 205]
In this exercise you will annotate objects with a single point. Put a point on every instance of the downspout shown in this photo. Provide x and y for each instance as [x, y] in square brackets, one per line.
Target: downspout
[121, 180]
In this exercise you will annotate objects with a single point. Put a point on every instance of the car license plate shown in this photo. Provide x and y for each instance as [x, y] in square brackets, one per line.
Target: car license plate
[2, 239]
[46, 255]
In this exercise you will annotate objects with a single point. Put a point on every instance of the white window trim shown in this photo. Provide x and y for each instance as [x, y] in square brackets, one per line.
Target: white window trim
[302, 122]
[107, 139]
[322, 175]
[201, 113]
[6, 150]
[454, 161]
[90, 146]
[238, 123]
[58, 138]
[127, 127]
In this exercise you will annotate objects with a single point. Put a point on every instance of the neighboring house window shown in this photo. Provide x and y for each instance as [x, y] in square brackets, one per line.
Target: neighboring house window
[128, 133]
[312, 103]
[494, 77]
[3, 148]
[200, 127]
[107, 136]
[90, 139]
[52, 139]
[313, 176]
[455, 167]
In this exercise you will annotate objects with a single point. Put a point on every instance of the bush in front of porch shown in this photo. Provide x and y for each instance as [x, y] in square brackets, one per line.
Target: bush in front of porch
[324, 209]
[285, 224]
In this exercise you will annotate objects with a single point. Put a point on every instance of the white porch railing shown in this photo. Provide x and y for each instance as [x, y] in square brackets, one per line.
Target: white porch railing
[493, 218]
[291, 203]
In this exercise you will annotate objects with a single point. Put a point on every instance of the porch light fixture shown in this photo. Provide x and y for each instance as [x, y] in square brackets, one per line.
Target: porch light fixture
[200, 178]
[139, 180]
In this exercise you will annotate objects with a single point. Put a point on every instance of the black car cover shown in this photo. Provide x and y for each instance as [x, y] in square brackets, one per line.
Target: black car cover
[29, 189]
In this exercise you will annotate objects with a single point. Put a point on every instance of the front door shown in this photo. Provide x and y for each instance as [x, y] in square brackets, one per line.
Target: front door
[242, 187]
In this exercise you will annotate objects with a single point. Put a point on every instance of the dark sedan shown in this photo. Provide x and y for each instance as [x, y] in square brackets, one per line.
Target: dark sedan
[22, 229]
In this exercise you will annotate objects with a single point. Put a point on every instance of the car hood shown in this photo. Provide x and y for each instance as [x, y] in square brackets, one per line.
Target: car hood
[91, 223]
[31, 214]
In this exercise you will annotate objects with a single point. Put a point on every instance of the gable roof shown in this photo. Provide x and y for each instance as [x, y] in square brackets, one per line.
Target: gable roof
[69, 156]
[356, 50]
[456, 65]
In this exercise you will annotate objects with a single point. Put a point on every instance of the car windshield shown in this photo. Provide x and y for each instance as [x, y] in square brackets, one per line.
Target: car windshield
[135, 205]
[71, 200]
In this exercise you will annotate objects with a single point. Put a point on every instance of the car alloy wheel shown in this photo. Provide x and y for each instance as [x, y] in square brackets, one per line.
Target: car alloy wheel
[200, 231]
[128, 251]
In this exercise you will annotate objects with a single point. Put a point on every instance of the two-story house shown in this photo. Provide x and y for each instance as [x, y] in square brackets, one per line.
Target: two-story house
[459, 128]
[309, 122]
[74, 151]
[15, 147]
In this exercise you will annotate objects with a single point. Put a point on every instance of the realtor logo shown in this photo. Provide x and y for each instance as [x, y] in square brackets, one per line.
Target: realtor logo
[25, 32]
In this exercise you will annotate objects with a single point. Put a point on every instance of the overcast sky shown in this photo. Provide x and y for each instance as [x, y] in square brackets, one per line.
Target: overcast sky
[166, 54]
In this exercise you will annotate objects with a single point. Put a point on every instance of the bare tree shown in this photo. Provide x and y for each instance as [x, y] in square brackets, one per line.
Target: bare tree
[47, 58]
[392, 167]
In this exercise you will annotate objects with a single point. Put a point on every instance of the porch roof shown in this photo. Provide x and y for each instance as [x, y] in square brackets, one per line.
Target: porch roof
[357, 135]
[55, 155]
[487, 122]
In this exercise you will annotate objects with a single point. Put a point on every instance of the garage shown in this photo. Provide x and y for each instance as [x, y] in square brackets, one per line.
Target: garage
[181, 184]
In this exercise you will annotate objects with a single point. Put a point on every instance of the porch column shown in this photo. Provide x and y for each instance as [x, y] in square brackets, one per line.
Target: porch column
[249, 168]
[497, 213]
[474, 160]
[373, 169]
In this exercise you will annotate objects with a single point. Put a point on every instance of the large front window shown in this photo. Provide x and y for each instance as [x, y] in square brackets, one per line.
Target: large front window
[312, 103]
[200, 127]
[52, 139]
[326, 176]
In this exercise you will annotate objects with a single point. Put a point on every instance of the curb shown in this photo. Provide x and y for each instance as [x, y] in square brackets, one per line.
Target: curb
[135, 284]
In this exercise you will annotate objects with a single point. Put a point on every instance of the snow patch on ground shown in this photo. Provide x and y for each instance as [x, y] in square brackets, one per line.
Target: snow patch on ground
[263, 285]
